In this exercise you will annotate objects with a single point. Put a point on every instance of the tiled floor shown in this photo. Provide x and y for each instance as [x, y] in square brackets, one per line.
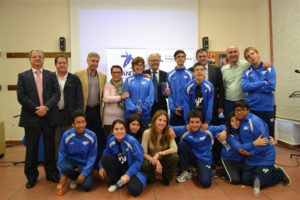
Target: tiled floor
[12, 185]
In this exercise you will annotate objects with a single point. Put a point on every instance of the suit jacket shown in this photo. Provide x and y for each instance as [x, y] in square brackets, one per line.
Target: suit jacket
[73, 99]
[161, 98]
[84, 79]
[215, 77]
[28, 97]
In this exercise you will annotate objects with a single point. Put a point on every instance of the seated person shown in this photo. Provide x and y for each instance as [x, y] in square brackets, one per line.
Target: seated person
[122, 161]
[195, 148]
[261, 159]
[160, 149]
[199, 95]
[134, 126]
[77, 154]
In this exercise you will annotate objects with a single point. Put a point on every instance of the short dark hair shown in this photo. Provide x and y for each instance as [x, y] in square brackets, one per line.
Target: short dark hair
[77, 113]
[200, 51]
[116, 66]
[136, 61]
[60, 56]
[195, 114]
[242, 103]
[178, 52]
[118, 121]
[197, 64]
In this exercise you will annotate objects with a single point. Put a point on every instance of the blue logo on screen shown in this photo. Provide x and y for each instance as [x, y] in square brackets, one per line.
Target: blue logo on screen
[127, 60]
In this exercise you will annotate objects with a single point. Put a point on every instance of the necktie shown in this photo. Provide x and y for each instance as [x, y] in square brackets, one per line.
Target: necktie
[39, 85]
[155, 85]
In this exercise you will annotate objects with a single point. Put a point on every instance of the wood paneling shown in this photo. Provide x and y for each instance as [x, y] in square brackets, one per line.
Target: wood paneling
[11, 87]
[26, 54]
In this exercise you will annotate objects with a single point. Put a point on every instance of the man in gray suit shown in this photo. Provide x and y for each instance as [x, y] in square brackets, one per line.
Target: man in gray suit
[38, 93]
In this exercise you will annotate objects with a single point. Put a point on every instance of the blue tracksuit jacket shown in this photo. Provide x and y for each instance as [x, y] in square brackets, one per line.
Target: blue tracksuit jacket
[133, 152]
[139, 88]
[207, 89]
[81, 148]
[258, 94]
[177, 79]
[250, 129]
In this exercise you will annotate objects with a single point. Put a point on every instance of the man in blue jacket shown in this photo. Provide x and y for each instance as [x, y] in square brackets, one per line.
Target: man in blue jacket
[195, 148]
[261, 159]
[77, 154]
[177, 79]
[199, 95]
[259, 83]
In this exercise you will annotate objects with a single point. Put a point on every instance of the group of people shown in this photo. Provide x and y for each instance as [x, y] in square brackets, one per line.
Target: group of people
[152, 123]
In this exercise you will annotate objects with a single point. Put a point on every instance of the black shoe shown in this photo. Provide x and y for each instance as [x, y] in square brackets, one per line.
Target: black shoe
[30, 184]
[53, 178]
[165, 182]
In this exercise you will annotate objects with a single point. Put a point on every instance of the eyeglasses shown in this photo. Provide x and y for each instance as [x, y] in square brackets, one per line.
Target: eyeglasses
[154, 60]
[240, 109]
[180, 57]
[116, 73]
[199, 70]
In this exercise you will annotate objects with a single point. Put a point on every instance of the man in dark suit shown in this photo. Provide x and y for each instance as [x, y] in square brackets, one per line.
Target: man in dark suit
[70, 99]
[214, 75]
[158, 77]
[38, 93]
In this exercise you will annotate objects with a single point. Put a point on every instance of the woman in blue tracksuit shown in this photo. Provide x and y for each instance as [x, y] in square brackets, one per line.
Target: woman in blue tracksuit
[122, 159]
[199, 95]
[232, 158]
[141, 93]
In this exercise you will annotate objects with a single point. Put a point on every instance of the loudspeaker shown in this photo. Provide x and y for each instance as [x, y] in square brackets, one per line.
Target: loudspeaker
[205, 43]
[62, 44]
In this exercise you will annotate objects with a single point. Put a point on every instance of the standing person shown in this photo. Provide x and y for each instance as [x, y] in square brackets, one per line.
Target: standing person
[122, 161]
[70, 99]
[38, 93]
[199, 95]
[212, 74]
[77, 154]
[260, 161]
[160, 149]
[177, 79]
[92, 83]
[134, 127]
[158, 77]
[141, 93]
[113, 98]
[259, 85]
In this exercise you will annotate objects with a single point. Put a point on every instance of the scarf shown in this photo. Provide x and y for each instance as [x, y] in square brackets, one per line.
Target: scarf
[119, 86]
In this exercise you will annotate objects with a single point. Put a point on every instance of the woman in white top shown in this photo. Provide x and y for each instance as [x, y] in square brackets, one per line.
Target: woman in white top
[113, 97]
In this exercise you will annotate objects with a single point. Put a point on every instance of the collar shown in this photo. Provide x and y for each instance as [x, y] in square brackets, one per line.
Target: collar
[90, 73]
[65, 76]
[153, 71]
[182, 69]
[34, 70]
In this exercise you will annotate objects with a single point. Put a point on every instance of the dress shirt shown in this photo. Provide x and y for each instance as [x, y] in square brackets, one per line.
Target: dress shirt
[61, 82]
[94, 90]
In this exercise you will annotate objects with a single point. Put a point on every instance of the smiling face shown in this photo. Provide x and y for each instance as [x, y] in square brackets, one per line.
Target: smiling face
[195, 124]
[252, 57]
[119, 131]
[36, 59]
[154, 61]
[202, 57]
[61, 65]
[232, 54]
[161, 123]
[134, 126]
[138, 68]
[116, 74]
[234, 122]
[79, 124]
[199, 73]
[180, 60]
[241, 112]
[93, 63]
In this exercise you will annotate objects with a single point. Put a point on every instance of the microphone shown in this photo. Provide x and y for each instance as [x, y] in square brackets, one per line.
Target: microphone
[297, 71]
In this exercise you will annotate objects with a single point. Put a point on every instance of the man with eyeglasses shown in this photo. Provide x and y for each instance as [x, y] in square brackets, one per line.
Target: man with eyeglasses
[177, 79]
[38, 93]
[158, 78]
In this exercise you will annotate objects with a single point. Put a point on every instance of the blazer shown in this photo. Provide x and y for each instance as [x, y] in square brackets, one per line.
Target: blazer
[161, 98]
[84, 79]
[215, 77]
[73, 98]
[28, 98]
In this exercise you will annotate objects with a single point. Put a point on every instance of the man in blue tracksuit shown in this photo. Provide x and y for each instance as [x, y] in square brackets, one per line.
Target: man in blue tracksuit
[195, 148]
[177, 79]
[141, 93]
[260, 161]
[77, 150]
[199, 95]
[259, 83]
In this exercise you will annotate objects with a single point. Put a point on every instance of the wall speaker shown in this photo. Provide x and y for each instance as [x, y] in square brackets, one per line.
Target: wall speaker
[205, 43]
[62, 44]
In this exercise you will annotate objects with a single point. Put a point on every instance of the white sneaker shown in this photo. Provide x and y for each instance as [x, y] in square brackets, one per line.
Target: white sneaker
[185, 175]
[112, 188]
[73, 185]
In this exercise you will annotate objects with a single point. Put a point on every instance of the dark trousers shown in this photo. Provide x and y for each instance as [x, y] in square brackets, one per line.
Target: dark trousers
[177, 120]
[94, 124]
[268, 175]
[114, 171]
[68, 170]
[155, 107]
[268, 117]
[232, 171]
[169, 164]
[228, 107]
[31, 159]
[187, 158]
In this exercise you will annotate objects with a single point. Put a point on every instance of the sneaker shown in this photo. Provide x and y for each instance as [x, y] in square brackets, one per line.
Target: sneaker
[165, 181]
[112, 188]
[73, 185]
[185, 175]
[286, 179]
